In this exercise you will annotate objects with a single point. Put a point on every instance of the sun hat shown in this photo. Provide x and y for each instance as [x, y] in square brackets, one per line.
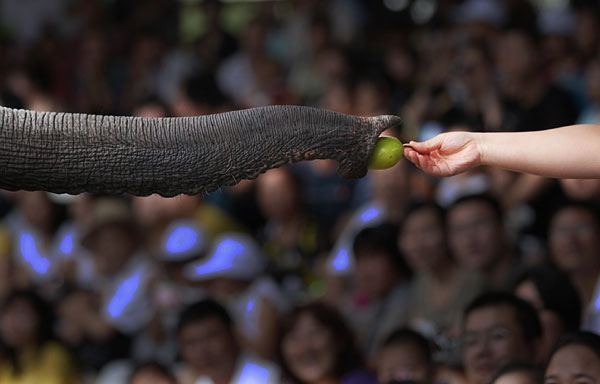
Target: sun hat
[233, 255]
[106, 212]
[183, 240]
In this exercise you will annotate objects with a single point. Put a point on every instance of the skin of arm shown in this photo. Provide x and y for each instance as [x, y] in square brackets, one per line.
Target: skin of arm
[565, 152]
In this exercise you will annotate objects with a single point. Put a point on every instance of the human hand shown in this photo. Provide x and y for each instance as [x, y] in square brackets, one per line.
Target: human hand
[446, 154]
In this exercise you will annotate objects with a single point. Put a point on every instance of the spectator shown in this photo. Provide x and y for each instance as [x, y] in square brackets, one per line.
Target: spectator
[317, 346]
[380, 300]
[291, 238]
[518, 373]
[250, 77]
[405, 355]
[233, 273]
[182, 242]
[478, 240]
[573, 239]
[498, 328]
[556, 300]
[152, 373]
[30, 354]
[441, 288]
[591, 114]
[99, 321]
[211, 352]
[577, 357]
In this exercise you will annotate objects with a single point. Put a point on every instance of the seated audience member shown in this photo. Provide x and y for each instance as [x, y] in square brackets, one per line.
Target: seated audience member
[405, 355]
[211, 353]
[576, 359]
[30, 355]
[381, 297]
[498, 328]
[556, 300]
[478, 240]
[152, 373]
[291, 238]
[182, 242]
[440, 288]
[518, 373]
[316, 346]
[574, 244]
[99, 322]
[34, 227]
[233, 273]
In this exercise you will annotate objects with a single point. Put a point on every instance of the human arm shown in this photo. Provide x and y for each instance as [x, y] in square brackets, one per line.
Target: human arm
[565, 152]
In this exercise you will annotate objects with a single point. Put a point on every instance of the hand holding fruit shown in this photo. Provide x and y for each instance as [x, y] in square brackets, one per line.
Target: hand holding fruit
[446, 154]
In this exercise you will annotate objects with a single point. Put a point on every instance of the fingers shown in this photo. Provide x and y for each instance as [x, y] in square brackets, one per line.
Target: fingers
[426, 146]
[422, 161]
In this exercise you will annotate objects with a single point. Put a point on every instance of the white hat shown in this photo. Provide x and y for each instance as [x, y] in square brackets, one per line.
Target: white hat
[183, 240]
[483, 11]
[556, 22]
[234, 255]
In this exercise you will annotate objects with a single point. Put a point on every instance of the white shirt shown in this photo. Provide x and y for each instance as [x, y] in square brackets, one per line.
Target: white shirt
[250, 370]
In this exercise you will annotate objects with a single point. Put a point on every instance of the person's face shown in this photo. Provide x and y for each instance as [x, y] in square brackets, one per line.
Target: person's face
[516, 378]
[581, 189]
[492, 338]
[552, 325]
[112, 246]
[515, 56]
[471, 69]
[375, 274]
[150, 376]
[573, 364]
[574, 240]
[37, 209]
[309, 350]
[276, 194]
[422, 240]
[19, 324]
[208, 346]
[475, 235]
[401, 362]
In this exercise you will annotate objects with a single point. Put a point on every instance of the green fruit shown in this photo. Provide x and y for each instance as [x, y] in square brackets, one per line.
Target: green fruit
[388, 150]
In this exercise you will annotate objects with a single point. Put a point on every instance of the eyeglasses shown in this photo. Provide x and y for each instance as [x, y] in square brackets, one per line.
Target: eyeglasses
[580, 230]
[494, 334]
[482, 224]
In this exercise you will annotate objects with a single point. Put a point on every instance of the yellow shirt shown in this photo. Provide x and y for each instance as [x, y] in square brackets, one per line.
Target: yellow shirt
[52, 365]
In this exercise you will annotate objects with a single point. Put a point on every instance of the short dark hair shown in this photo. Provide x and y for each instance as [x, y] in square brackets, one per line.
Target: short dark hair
[347, 357]
[153, 366]
[534, 371]
[381, 238]
[202, 310]
[484, 198]
[586, 339]
[526, 315]
[590, 207]
[407, 336]
[556, 292]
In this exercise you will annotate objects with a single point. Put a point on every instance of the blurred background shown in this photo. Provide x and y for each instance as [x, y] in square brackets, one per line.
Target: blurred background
[298, 276]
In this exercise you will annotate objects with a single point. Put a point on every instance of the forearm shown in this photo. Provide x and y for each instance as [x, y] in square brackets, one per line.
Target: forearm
[565, 152]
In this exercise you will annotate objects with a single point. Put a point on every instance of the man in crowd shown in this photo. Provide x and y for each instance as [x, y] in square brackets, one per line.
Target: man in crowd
[498, 328]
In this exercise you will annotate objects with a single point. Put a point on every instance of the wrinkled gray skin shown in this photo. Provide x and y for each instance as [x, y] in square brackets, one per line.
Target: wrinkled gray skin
[73, 153]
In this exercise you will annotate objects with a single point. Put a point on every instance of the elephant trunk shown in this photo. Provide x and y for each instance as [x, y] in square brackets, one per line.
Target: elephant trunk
[73, 153]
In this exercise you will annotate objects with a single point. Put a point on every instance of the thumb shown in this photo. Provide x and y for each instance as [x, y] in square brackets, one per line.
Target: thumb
[426, 147]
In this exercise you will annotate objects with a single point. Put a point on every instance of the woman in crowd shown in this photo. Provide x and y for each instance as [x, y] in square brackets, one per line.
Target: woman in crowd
[441, 287]
[30, 355]
[558, 304]
[576, 359]
[316, 346]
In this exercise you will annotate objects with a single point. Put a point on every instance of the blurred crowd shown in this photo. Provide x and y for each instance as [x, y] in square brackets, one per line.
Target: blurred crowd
[300, 276]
